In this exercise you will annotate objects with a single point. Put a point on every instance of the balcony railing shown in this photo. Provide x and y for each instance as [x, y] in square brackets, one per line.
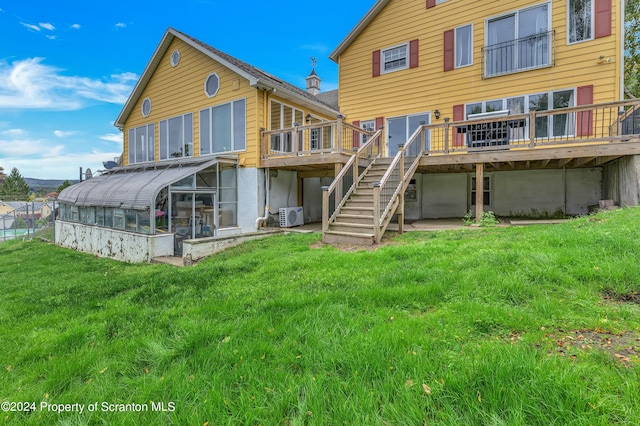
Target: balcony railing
[526, 53]
[611, 122]
[330, 137]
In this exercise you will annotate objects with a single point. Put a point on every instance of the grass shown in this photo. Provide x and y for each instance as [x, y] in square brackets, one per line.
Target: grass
[504, 326]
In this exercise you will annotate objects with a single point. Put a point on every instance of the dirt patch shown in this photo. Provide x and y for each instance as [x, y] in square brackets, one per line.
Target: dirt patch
[631, 297]
[348, 247]
[625, 347]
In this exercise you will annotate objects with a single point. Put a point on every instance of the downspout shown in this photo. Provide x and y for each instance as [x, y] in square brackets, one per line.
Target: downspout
[266, 201]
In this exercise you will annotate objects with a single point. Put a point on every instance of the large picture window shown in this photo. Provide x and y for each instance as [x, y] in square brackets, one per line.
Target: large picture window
[141, 144]
[282, 117]
[223, 128]
[176, 137]
[580, 22]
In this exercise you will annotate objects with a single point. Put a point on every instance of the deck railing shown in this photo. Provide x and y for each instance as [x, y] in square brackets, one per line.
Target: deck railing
[589, 124]
[335, 195]
[330, 137]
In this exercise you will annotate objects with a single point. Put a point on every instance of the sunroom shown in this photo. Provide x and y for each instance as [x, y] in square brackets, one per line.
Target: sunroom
[135, 213]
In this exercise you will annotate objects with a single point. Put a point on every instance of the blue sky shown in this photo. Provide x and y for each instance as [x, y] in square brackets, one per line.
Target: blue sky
[68, 67]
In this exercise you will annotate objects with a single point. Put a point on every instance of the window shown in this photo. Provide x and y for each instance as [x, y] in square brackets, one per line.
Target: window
[223, 128]
[141, 144]
[464, 46]
[176, 137]
[369, 125]
[394, 59]
[518, 41]
[211, 85]
[580, 25]
[282, 117]
[175, 58]
[486, 191]
[551, 126]
[146, 107]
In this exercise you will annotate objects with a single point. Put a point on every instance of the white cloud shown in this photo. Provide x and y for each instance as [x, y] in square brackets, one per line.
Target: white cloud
[75, 26]
[51, 37]
[47, 26]
[30, 84]
[31, 26]
[13, 132]
[112, 137]
[121, 25]
[64, 134]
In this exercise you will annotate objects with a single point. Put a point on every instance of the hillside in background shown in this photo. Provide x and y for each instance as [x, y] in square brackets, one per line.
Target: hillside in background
[49, 185]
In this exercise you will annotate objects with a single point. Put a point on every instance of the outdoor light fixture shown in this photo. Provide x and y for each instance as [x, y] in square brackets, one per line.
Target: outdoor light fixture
[437, 114]
[308, 118]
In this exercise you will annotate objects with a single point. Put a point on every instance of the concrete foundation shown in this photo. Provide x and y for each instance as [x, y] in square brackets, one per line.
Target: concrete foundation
[622, 181]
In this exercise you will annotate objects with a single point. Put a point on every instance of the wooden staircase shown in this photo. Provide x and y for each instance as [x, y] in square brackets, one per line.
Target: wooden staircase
[354, 222]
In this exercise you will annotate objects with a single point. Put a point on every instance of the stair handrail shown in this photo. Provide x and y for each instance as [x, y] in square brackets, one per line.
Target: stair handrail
[351, 165]
[405, 174]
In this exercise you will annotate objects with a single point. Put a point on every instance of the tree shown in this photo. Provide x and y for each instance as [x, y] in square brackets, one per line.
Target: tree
[14, 187]
[632, 49]
[2, 175]
[63, 185]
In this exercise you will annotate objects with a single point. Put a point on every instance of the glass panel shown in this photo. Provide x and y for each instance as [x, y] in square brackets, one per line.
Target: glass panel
[494, 106]
[164, 141]
[100, 216]
[144, 225]
[150, 142]
[132, 146]
[108, 217]
[221, 124]
[563, 124]
[540, 103]
[131, 220]
[91, 216]
[473, 109]
[207, 178]
[463, 46]
[579, 20]
[176, 149]
[228, 195]
[184, 183]
[414, 122]
[533, 44]
[397, 134]
[205, 132]
[162, 211]
[204, 206]
[118, 218]
[182, 219]
[188, 134]
[141, 144]
[240, 125]
[500, 55]
[516, 106]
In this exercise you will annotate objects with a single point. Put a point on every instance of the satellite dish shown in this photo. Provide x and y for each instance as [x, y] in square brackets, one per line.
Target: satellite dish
[109, 164]
[88, 174]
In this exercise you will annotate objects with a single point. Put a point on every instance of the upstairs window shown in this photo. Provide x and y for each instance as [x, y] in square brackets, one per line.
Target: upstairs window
[176, 137]
[141, 144]
[518, 41]
[394, 59]
[580, 20]
[464, 46]
[212, 85]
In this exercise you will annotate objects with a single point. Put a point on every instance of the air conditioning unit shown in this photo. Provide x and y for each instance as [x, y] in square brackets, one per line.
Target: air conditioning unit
[291, 216]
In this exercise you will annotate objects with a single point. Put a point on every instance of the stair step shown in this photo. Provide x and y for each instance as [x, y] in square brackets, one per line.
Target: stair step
[359, 203]
[355, 226]
[355, 218]
[367, 211]
[338, 237]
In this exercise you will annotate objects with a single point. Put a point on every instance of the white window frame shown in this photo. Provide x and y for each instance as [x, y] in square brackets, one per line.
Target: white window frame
[526, 97]
[175, 58]
[150, 153]
[369, 125]
[388, 49]
[455, 43]
[145, 101]
[281, 138]
[515, 14]
[593, 25]
[183, 143]
[205, 85]
[209, 110]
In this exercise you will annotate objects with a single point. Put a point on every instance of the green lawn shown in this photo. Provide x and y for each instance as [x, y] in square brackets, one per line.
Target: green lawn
[536, 325]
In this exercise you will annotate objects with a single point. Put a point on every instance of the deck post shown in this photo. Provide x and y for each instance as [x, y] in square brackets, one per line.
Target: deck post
[339, 133]
[294, 139]
[325, 208]
[376, 212]
[339, 193]
[263, 145]
[446, 135]
[532, 129]
[479, 191]
[401, 194]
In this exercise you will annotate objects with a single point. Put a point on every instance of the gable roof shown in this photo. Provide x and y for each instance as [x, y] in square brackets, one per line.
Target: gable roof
[255, 76]
[360, 26]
